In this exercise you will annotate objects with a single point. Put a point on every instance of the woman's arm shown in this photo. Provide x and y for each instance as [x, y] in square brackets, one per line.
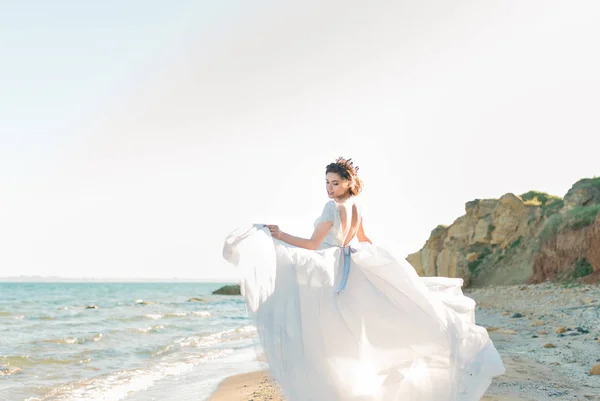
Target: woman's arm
[313, 243]
[360, 234]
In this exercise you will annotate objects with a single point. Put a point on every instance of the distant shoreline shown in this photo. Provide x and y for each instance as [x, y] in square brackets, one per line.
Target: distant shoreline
[51, 279]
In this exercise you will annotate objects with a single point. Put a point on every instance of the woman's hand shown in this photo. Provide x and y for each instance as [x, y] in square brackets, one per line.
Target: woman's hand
[312, 243]
[275, 231]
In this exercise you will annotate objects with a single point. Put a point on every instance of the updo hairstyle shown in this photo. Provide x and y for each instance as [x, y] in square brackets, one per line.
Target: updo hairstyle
[346, 169]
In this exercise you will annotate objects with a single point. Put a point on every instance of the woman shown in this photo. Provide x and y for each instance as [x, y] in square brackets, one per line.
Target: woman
[351, 323]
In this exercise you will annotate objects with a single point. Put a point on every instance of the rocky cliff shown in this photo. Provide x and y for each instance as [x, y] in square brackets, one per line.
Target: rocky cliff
[533, 237]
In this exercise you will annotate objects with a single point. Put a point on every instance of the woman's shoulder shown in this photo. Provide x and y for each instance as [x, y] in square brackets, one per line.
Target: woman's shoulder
[330, 206]
[349, 204]
[330, 203]
[333, 206]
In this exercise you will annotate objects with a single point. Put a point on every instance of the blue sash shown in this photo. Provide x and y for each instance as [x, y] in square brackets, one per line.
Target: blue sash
[345, 259]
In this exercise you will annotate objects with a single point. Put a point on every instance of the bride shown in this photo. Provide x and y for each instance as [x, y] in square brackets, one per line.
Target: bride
[341, 322]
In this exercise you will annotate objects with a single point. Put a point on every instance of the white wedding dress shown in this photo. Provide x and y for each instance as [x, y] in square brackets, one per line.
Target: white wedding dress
[370, 330]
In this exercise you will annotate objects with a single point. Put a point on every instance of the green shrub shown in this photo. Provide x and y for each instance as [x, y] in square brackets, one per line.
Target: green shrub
[515, 243]
[588, 183]
[582, 268]
[581, 216]
[483, 252]
[552, 207]
[541, 197]
[474, 265]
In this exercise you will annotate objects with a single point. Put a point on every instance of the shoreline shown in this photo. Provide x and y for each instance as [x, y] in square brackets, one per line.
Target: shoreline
[256, 386]
[246, 386]
[522, 321]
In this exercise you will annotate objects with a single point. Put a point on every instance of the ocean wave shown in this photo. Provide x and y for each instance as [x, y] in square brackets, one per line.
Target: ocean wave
[14, 360]
[26, 361]
[65, 340]
[239, 333]
[130, 318]
[164, 350]
[171, 315]
[157, 316]
[79, 307]
[225, 336]
[142, 302]
[21, 317]
[246, 329]
[175, 314]
[147, 330]
[119, 385]
[74, 340]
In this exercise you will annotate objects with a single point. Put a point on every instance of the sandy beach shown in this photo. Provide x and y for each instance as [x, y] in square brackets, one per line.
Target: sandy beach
[547, 335]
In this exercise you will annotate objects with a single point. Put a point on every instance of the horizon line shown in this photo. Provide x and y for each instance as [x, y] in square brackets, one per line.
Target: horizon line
[120, 279]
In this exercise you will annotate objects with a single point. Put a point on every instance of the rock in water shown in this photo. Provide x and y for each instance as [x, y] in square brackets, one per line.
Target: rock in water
[228, 290]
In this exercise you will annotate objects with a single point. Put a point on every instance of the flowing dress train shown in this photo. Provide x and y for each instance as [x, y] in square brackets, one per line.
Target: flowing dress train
[352, 323]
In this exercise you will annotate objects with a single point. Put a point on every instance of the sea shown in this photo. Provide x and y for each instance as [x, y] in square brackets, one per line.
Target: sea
[121, 341]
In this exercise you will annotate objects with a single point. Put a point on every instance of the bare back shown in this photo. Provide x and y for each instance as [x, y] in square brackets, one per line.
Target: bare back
[350, 217]
[345, 223]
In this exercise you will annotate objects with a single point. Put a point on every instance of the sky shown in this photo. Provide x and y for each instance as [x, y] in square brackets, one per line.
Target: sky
[134, 136]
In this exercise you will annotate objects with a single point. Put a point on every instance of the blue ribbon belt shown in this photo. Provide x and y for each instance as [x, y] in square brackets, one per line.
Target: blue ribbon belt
[345, 259]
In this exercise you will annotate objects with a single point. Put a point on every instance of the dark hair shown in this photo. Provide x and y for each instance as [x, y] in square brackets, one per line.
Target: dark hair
[346, 169]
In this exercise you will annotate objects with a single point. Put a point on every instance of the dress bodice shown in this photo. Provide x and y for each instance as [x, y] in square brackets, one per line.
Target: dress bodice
[335, 235]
